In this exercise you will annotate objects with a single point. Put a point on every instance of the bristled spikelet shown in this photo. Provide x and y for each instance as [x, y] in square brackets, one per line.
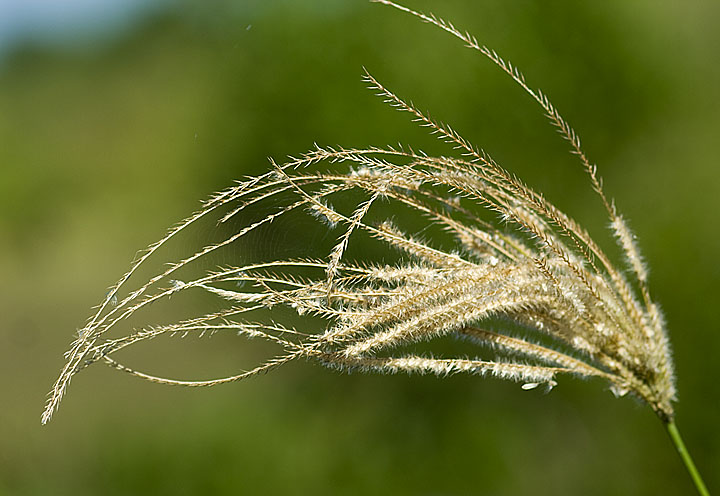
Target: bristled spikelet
[543, 272]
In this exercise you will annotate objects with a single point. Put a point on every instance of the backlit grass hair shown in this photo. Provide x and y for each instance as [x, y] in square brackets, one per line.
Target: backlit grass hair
[536, 267]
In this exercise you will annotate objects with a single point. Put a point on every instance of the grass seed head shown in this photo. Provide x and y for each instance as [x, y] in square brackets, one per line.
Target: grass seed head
[535, 267]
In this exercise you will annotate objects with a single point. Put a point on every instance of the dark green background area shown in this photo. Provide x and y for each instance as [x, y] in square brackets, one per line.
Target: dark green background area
[105, 146]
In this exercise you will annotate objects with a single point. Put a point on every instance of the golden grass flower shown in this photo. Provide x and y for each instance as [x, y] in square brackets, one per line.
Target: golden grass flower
[535, 268]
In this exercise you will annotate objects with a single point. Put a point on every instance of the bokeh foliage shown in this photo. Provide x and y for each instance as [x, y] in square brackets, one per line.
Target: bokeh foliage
[104, 147]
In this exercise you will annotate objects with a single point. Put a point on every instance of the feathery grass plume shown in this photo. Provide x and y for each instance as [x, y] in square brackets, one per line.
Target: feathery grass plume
[544, 273]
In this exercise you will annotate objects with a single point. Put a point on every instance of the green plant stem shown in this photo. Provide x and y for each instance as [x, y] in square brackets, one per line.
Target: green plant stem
[685, 455]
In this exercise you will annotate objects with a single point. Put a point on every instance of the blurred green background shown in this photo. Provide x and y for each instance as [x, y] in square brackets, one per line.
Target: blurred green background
[108, 139]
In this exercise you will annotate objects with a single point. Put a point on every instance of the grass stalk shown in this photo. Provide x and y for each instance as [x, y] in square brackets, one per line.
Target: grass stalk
[686, 458]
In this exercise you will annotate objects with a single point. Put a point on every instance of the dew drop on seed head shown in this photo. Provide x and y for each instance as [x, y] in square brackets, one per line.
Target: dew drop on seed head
[618, 391]
[113, 299]
[241, 278]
